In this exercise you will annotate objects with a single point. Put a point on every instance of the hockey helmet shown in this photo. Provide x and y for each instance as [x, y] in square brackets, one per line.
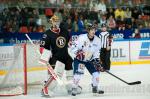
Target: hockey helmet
[103, 25]
[55, 21]
[91, 26]
[54, 18]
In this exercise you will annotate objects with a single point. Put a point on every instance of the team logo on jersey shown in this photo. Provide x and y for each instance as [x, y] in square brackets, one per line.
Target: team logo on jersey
[60, 42]
[145, 51]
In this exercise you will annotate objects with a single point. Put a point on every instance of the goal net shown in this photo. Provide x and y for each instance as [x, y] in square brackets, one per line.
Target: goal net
[20, 72]
[13, 71]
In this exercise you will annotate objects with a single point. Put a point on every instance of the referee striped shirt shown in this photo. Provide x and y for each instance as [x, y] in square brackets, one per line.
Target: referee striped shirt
[104, 39]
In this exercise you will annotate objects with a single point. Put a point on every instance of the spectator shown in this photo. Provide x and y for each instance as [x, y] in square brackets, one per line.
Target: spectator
[80, 24]
[111, 23]
[135, 13]
[128, 15]
[119, 14]
[52, 1]
[0, 26]
[93, 15]
[40, 29]
[146, 21]
[136, 34]
[38, 21]
[69, 24]
[24, 17]
[103, 20]
[24, 29]
[92, 5]
[67, 4]
[110, 13]
[75, 26]
[15, 26]
[65, 14]
[48, 13]
[101, 7]
[127, 32]
[133, 23]
[57, 13]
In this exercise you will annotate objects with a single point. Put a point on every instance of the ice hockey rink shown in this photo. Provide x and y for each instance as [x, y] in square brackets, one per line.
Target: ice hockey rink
[114, 88]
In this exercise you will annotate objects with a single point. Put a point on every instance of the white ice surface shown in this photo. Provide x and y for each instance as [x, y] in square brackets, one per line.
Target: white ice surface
[114, 89]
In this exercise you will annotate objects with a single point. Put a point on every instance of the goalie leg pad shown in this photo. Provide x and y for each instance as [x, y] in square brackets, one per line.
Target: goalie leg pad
[59, 68]
[51, 83]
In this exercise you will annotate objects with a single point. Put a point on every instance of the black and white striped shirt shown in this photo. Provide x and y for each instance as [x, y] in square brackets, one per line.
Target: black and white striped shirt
[104, 39]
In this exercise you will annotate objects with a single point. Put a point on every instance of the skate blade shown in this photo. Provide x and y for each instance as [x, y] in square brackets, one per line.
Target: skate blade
[94, 94]
[98, 94]
[46, 96]
[73, 94]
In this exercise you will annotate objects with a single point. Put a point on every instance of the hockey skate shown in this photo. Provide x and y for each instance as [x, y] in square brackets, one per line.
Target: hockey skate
[76, 91]
[44, 92]
[95, 90]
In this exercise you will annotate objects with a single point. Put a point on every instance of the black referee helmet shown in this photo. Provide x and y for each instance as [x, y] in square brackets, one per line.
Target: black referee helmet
[103, 25]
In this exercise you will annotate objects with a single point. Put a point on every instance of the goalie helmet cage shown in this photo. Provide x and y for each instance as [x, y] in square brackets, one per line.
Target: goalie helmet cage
[13, 69]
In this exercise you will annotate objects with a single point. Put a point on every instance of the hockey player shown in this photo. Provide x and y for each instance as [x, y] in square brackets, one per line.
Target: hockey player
[86, 50]
[54, 51]
[106, 42]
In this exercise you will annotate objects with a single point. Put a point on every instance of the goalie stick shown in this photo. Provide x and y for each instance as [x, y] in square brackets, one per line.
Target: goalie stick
[129, 83]
[49, 67]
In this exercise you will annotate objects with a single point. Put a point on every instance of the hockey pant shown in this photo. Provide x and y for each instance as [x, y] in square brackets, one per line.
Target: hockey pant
[79, 67]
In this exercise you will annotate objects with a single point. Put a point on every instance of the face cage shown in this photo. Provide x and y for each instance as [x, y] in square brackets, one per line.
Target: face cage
[56, 23]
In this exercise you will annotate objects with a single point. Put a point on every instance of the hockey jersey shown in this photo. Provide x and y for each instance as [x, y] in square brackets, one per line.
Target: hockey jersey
[57, 43]
[91, 49]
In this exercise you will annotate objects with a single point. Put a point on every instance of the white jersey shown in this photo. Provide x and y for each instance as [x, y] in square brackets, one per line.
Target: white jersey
[91, 49]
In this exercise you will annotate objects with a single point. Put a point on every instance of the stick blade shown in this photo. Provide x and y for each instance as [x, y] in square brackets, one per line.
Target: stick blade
[134, 83]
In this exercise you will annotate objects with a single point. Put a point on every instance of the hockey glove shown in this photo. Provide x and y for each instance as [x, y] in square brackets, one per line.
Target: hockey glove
[97, 64]
[80, 55]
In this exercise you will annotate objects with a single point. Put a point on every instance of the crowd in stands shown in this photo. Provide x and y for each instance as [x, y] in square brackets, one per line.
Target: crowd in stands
[27, 19]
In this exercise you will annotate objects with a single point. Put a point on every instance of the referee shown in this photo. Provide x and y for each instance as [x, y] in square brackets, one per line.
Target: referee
[106, 40]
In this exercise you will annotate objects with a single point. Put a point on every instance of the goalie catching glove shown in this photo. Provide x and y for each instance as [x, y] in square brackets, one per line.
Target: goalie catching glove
[97, 64]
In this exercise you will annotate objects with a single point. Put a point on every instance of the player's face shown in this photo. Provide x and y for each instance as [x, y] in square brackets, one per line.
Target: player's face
[56, 23]
[91, 33]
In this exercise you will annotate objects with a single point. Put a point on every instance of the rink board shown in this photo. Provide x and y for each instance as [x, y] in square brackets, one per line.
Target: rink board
[123, 52]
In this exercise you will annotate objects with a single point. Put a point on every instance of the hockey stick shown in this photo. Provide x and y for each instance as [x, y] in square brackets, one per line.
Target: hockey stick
[129, 83]
[49, 67]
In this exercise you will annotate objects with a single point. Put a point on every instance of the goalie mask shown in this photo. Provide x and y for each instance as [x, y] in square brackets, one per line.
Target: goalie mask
[55, 21]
